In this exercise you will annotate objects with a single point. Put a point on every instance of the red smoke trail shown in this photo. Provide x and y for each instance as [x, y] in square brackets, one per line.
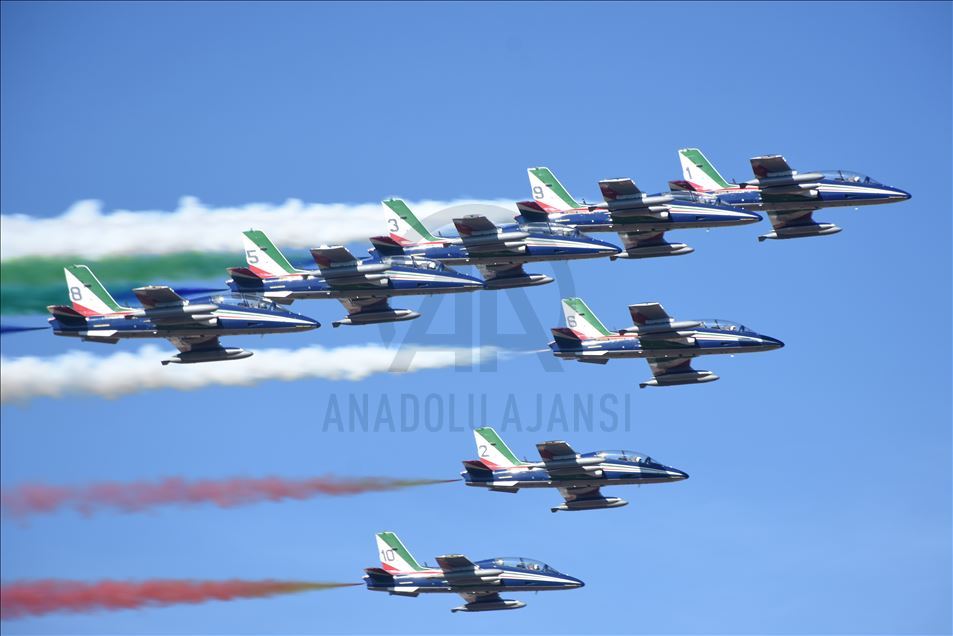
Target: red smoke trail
[34, 598]
[30, 499]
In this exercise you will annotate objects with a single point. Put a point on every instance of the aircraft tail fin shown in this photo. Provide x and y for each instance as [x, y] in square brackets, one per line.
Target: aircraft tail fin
[549, 192]
[403, 225]
[698, 171]
[580, 319]
[263, 257]
[493, 450]
[87, 294]
[395, 557]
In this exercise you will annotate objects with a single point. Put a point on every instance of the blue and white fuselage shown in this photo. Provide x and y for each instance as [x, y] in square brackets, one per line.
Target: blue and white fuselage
[515, 243]
[673, 211]
[221, 315]
[712, 337]
[372, 276]
[835, 188]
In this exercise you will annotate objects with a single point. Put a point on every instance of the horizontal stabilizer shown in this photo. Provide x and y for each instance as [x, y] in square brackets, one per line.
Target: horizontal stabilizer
[386, 246]
[532, 212]
[477, 469]
[66, 314]
[567, 336]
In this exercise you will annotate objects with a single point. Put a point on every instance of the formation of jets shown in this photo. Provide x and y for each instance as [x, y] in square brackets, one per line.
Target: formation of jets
[579, 478]
[411, 260]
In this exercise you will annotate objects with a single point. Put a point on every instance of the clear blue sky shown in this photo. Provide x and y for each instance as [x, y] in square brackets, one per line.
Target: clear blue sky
[820, 490]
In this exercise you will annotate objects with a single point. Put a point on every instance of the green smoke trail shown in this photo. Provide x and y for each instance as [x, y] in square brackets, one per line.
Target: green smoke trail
[28, 285]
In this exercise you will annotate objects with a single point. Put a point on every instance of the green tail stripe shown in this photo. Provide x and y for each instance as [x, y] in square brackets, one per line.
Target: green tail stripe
[696, 157]
[397, 546]
[400, 209]
[581, 308]
[494, 440]
[264, 243]
[86, 277]
[546, 176]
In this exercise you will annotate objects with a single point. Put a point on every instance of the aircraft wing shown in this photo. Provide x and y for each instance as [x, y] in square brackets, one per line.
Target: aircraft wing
[455, 562]
[635, 240]
[459, 570]
[481, 597]
[474, 225]
[575, 494]
[613, 189]
[792, 218]
[157, 295]
[501, 270]
[187, 344]
[164, 307]
[552, 450]
[648, 312]
[357, 305]
[332, 256]
[770, 166]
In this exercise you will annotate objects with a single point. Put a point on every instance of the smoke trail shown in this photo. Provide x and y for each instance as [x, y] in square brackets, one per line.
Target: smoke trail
[82, 373]
[84, 230]
[31, 499]
[35, 598]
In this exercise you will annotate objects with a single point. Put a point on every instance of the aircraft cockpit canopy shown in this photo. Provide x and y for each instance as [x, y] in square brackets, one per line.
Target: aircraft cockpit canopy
[723, 325]
[252, 301]
[551, 228]
[520, 563]
[847, 176]
[697, 197]
[627, 456]
[418, 262]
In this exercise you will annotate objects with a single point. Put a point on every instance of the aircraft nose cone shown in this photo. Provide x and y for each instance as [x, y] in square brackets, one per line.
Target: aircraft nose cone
[310, 323]
[574, 582]
[772, 343]
[903, 195]
[749, 217]
[678, 475]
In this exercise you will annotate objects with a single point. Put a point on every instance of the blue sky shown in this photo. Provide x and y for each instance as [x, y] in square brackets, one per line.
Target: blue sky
[820, 490]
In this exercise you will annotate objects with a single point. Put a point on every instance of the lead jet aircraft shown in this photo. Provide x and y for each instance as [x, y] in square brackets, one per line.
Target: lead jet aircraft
[640, 219]
[363, 286]
[667, 345]
[579, 476]
[498, 252]
[788, 197]
[478, 582]
[193, 326]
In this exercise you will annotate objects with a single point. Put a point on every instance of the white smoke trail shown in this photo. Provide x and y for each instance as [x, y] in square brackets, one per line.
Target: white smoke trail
[82, 373]
[85, 230]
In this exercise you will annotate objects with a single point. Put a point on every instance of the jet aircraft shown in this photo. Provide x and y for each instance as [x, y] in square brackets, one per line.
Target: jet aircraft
[193, 326]
[579, 476]
[362, 285]
[498, 252]
[668, 345]
[478, 582]
[787, 196]
[640, 219]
